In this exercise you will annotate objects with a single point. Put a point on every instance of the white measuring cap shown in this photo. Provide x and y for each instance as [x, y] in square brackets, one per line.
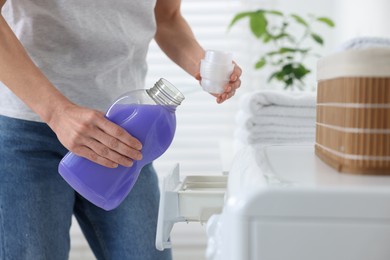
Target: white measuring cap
[215, 70]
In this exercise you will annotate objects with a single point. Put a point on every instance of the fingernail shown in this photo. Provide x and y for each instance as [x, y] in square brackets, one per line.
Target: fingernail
[129, 163]
[233, 78]
[114, 165]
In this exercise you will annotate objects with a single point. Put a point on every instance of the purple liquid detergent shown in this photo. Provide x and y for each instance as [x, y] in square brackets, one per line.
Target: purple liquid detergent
[152, 124]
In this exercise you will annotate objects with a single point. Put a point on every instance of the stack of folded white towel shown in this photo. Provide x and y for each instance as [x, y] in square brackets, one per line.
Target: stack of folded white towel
[274, 117]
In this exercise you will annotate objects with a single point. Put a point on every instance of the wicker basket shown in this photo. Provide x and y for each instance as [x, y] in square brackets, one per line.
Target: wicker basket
[353, 111]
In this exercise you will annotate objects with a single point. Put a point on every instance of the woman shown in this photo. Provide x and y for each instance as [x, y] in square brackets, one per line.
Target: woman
[61, 64]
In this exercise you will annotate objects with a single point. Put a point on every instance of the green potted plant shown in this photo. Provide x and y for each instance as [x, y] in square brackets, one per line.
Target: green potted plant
[289, 50]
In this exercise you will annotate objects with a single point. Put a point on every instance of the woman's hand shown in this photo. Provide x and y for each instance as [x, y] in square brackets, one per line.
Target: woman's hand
[89, 134]
[231, 87]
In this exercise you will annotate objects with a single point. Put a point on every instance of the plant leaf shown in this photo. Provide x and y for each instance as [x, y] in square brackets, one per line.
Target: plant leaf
[285, 50]
[300, 71]
[258, 23]
[288, 69]
[280, 36]
[326, 21]
[274, 12]
[272, 76]
[317, 38]
[267, 37]
[300, 20]
[289, 83]
[260, 63]
[271, 53]
[278, 75]
[238, 17]
[304, 50]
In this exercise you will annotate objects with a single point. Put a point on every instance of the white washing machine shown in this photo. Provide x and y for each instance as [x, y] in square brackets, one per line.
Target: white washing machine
[281, 203]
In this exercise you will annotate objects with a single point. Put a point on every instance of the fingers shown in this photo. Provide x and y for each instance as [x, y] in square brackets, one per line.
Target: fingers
[234, 84]
[113, 149]
[236, 74]
[117, 133]
[104, 152]
[225, 96]
[91, 155]
[114, 144]
[119, 147]
[197, 76]
[96, 138]
[230, 91]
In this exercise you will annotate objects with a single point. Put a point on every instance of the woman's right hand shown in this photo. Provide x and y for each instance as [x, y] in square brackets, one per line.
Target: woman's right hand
[87, 133]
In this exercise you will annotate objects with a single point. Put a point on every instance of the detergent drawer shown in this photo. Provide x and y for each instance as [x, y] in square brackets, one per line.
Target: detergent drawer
[195, 198]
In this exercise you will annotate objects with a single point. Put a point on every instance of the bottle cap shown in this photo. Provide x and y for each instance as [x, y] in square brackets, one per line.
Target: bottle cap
[215, 70]
[218, 57]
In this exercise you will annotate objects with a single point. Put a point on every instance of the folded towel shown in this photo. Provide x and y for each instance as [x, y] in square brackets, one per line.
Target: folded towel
[253, 102]
[238, 145]
[272, 135]
[283, 111]
[365, 43]
[281, 130]
[274, 117]
[275, 133]
[250, 121]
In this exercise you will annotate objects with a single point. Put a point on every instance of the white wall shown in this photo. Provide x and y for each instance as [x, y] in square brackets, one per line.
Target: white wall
[363, 18]
[257, 79]
[353, 18]
[318, 8]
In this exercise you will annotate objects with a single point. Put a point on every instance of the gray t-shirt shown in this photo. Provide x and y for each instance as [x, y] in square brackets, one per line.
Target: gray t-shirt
[91, 50]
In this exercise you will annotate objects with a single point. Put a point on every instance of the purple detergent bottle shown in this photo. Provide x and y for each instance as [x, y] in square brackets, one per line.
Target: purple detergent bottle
[149, 116]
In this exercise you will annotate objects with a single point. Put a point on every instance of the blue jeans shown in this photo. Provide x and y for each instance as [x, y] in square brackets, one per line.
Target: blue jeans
[36, 204]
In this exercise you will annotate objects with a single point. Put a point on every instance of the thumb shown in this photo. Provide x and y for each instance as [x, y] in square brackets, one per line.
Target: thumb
[197, 76]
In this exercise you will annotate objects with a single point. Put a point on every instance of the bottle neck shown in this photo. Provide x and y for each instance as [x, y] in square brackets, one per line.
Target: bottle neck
[164, 93]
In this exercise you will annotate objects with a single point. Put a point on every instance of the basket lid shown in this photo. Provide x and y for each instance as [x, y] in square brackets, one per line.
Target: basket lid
[370, 62]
